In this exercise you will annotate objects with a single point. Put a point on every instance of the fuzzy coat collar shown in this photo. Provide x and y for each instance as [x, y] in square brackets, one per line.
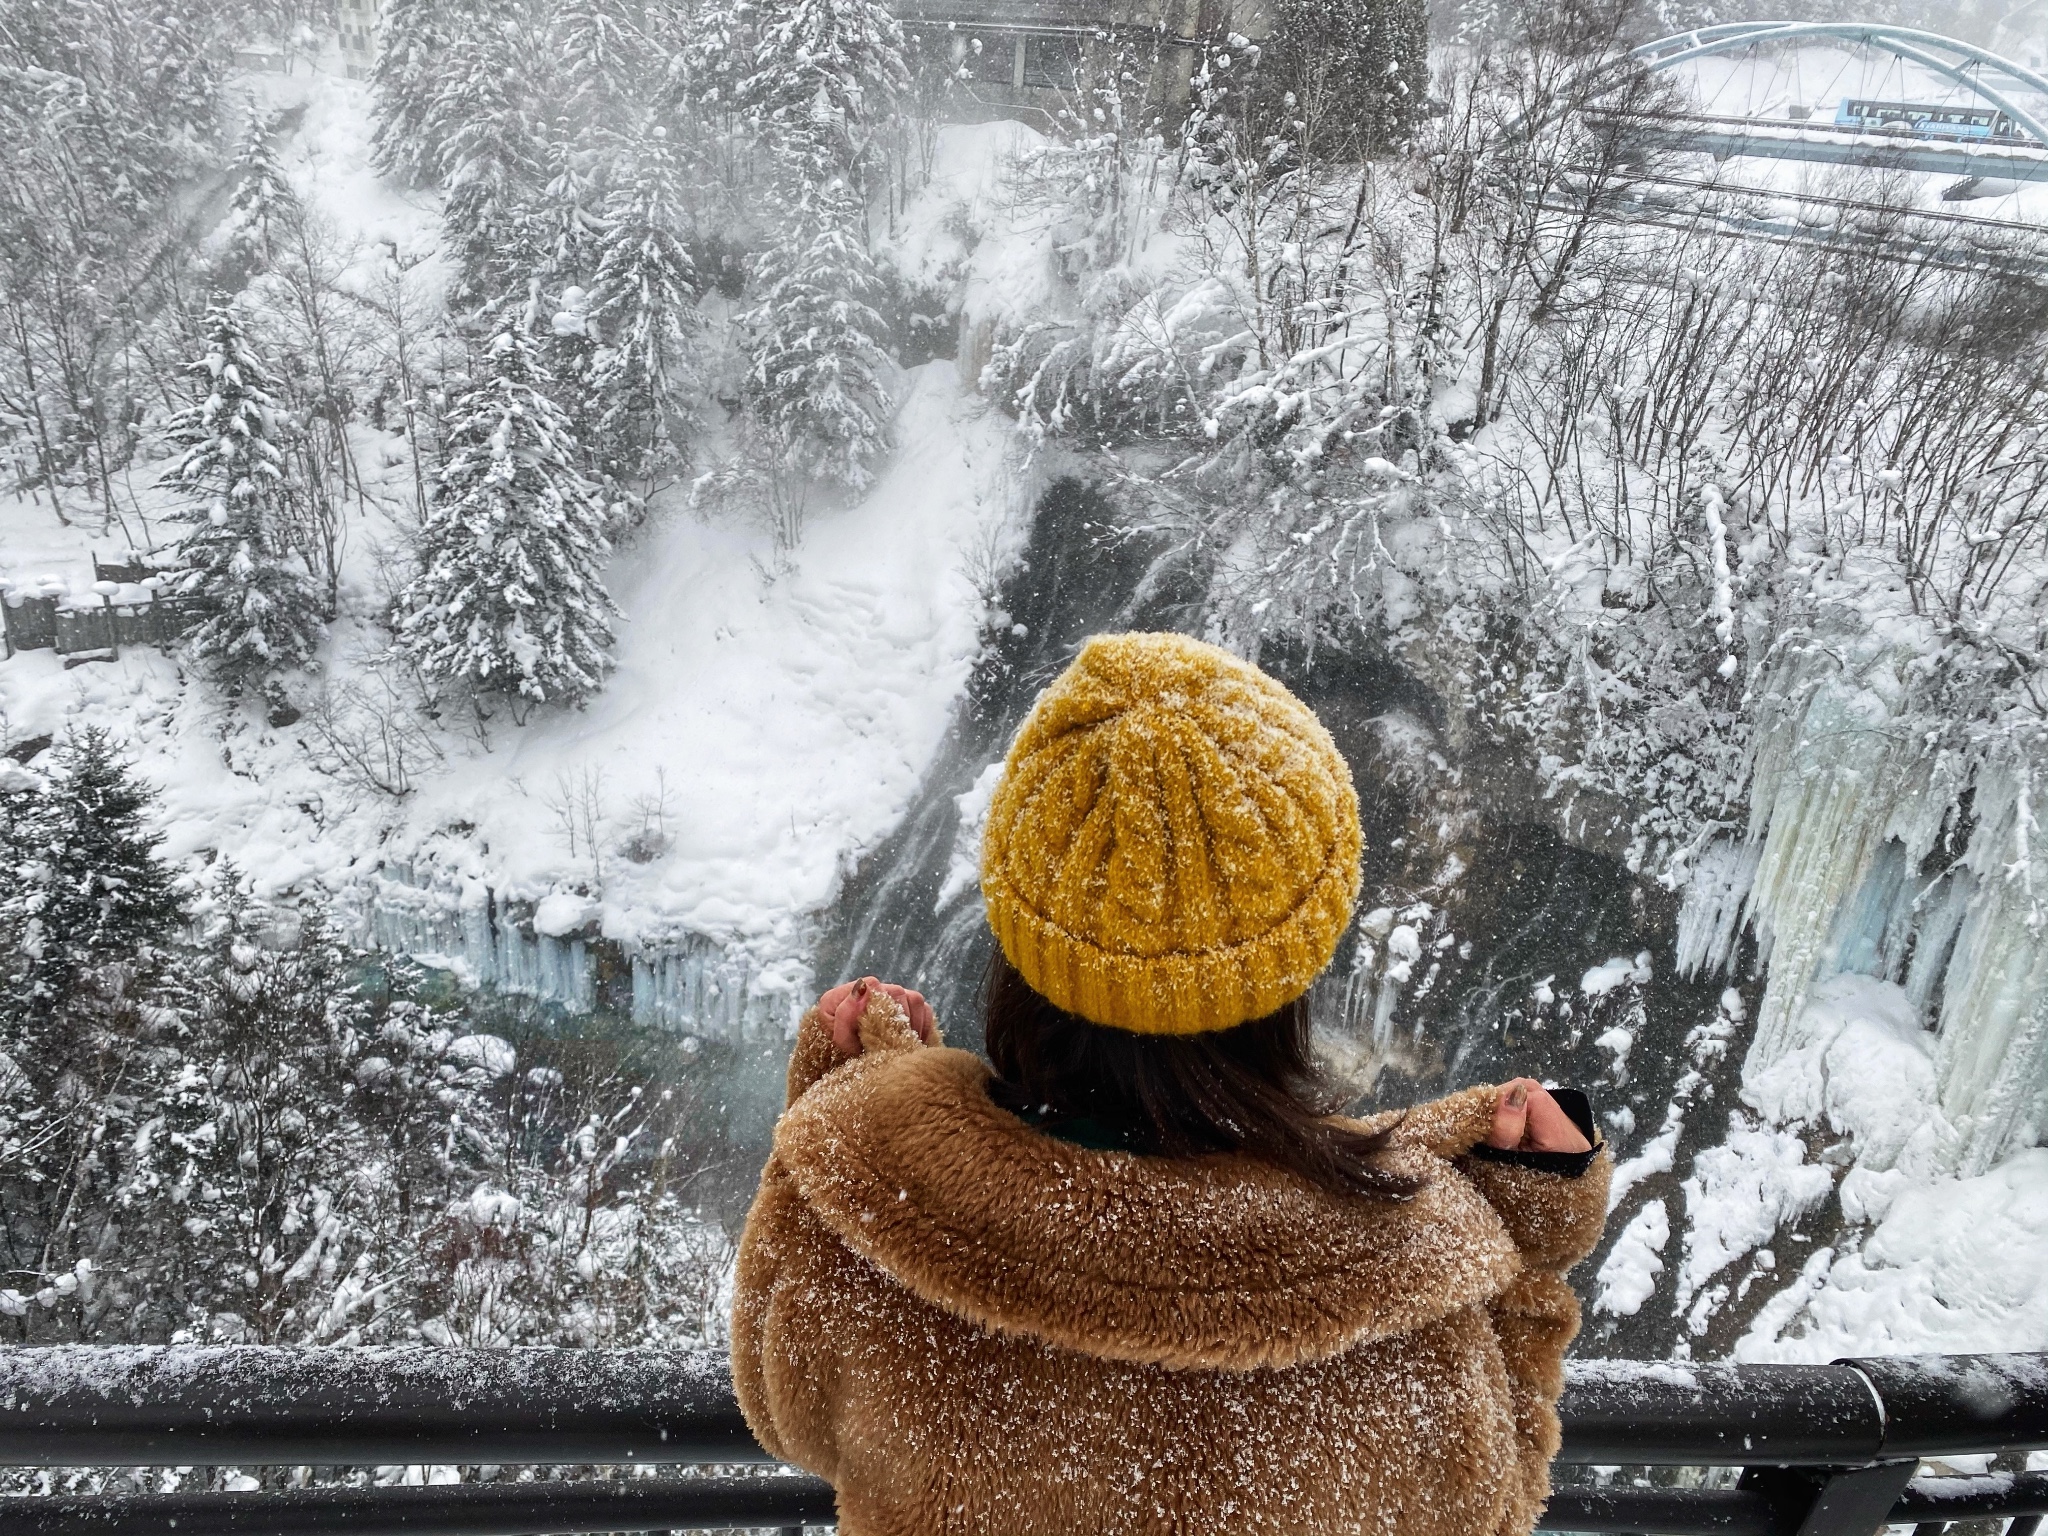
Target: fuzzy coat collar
[1218, 1262]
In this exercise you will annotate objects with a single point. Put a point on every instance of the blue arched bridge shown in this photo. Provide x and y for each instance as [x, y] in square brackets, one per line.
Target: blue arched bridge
[1996, 131]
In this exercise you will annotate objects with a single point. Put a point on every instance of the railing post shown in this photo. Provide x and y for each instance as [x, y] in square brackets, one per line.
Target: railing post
[1833, 1501]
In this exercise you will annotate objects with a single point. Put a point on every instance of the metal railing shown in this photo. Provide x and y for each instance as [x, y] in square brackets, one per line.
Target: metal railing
[1828, 1450]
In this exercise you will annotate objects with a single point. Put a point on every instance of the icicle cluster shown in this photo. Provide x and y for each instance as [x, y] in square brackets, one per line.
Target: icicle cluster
[692, 985]
[1874, 849]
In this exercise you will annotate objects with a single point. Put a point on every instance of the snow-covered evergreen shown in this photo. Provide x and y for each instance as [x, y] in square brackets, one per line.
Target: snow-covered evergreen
[826, 75]
[261, 610]
[1346, 76]
[605, 62]
[510, 597]
[830, 71]
[816, 385]
[86, 888]
[262, 197]
[494, 164]
[414, 38]
[646, 303]
[89, 913]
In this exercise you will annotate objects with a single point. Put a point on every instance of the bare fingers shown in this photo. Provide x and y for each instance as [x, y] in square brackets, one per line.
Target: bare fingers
[1527, 1118]
[844, 1017]
[1511, 1113]
[844, 1005]
[1550, 1128]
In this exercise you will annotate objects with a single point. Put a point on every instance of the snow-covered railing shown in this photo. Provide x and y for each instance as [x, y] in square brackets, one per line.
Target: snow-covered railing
[1828, 1450]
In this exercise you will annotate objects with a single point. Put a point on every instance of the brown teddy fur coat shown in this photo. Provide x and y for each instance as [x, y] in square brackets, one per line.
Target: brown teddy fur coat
[969, 1326]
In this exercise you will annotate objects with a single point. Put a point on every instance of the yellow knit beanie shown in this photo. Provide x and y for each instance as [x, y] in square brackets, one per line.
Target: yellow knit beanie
[1173, 847]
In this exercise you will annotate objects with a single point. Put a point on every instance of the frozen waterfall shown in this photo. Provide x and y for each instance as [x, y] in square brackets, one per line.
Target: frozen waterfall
[553, 951]
[1877, 848]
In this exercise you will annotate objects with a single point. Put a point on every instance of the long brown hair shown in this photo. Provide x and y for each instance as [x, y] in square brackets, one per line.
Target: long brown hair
[1252, 1089]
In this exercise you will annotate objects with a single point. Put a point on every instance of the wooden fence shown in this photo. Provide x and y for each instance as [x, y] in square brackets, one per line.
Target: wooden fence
[84, 628]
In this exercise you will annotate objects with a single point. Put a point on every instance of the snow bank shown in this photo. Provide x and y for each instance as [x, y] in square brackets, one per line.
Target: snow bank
[1859, 1061]
[1629, 1274]
[1956, 1266]
[1929, 1261]
[1738, 1195]
[1618, 972]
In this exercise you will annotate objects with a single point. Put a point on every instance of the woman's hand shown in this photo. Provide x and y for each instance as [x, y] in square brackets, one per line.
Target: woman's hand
[1527, 1119]
[845, 1003]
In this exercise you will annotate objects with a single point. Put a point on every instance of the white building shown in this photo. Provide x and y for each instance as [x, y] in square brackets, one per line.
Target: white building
[359, 36]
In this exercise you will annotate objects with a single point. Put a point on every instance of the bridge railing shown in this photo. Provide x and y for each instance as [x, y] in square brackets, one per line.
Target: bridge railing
[1827, 1450]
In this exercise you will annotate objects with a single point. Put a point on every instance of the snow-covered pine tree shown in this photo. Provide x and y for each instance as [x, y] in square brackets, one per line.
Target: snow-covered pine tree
[1350, 78]
[569, 211]
[87, 889]
[826, 74]
[413, 42]
[261, 609]
[645, 303]
[262, 197]
[817, 361]
[88, 916]
[829, 72]
[711, 57]
[273, 1190]
[510, 597]
[605, 62]
[571, 221]
[494, 165]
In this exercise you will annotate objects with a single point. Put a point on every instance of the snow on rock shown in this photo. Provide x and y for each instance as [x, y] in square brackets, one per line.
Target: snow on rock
[1629, 1275]
[1617, 1042]
[1654, 1158]
[1621, 971]
[1739, 1194]
[490, 1053]
[1952, 1264]
[1955, 1266]
[490, 1207]
[1859, 1061]
[1404, 948]
[562, 913]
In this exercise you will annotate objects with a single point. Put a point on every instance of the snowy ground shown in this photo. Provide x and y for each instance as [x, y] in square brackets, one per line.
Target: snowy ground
[1925, 1261]
[1950, 1264]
